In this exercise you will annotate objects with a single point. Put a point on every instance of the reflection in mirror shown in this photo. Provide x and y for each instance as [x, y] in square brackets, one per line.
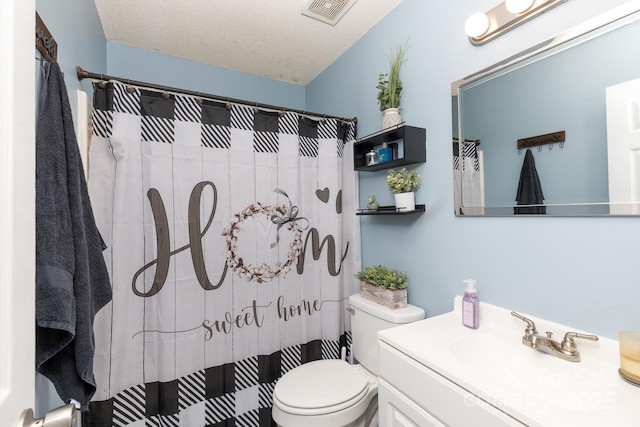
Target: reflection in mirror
[554, 130]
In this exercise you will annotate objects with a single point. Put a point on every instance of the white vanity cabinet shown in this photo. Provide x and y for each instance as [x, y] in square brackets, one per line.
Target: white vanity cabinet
[411, 394]
[436, 372]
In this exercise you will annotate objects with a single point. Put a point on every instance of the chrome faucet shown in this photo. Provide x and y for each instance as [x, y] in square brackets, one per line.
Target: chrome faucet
[566, 349]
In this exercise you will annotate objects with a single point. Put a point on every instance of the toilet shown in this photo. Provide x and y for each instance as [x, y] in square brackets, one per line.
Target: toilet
[334, 393]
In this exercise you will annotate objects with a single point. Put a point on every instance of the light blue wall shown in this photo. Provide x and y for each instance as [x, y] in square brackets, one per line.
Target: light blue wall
[152, 67]
[577, 271]
[76, 27]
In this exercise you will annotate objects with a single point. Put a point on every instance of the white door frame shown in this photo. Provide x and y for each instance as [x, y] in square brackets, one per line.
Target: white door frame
[623, 144]
[17, 208]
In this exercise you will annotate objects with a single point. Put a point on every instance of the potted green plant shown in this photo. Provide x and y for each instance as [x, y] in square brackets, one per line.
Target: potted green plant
[390, 87]
[384, 285]
[403, 184]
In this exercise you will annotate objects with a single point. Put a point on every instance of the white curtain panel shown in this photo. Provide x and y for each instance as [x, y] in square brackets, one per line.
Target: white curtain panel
[468, 197]
[232, 248]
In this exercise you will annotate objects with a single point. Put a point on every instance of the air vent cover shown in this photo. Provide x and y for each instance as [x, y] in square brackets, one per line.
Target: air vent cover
[327, 11]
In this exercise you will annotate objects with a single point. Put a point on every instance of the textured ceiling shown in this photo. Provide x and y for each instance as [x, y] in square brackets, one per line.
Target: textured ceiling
[266, 38]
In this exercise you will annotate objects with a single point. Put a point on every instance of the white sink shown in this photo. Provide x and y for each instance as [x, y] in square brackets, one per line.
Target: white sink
[537, 388]
[540, 379]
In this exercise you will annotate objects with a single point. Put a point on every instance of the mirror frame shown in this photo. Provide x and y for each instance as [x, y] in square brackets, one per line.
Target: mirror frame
[618, 17]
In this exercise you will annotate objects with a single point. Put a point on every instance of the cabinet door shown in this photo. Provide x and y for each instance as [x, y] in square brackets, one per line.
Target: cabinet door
[449, 403]
[396, 410]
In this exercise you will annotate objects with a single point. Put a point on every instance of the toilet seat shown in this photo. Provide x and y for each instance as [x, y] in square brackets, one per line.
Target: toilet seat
[321, 387]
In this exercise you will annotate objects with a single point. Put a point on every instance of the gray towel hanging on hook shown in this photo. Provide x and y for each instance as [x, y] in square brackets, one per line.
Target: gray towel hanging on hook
[72, 282]
[529, 188]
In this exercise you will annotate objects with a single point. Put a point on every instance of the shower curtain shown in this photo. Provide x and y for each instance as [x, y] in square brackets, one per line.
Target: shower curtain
[232, 247]
[467, 178]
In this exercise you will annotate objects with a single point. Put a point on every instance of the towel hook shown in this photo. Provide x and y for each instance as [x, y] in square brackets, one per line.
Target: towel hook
[41, 60]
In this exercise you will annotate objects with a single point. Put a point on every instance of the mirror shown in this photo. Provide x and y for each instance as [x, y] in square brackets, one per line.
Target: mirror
[554, 130]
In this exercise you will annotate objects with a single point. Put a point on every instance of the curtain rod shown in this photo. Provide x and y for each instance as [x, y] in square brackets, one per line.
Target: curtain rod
[83, 74]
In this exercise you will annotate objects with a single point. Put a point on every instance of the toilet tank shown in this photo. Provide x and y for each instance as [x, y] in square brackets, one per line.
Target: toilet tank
[367, 318]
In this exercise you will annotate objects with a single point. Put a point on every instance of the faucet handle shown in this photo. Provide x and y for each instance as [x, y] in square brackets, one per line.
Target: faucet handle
[531, 327]
[568, 343]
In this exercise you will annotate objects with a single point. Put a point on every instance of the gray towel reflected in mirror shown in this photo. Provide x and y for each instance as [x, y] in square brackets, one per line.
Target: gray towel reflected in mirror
[529, 189]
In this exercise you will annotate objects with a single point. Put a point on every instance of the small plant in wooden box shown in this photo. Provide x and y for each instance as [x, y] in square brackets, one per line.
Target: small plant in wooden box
[384, 285]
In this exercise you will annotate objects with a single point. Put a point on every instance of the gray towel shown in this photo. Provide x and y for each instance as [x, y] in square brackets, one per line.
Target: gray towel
[529, 188]
[72, 282]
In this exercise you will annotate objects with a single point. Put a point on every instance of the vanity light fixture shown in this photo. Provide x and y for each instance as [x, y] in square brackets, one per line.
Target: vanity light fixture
[484, 27]
[477, 24]
[518, 6]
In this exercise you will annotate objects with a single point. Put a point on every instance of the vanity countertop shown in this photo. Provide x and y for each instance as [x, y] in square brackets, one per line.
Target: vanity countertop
[536, 388]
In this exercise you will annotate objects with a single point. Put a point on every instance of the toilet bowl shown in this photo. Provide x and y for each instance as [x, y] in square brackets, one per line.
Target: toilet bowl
[334, 393]
[325, 393]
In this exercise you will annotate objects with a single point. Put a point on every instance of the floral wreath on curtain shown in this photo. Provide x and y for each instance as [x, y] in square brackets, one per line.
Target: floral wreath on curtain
[279, 215]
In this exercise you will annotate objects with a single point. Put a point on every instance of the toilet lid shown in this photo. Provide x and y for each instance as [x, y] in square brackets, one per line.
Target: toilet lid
[320, 384]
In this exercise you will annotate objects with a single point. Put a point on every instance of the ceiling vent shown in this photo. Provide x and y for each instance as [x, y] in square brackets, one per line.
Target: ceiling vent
[327, 11]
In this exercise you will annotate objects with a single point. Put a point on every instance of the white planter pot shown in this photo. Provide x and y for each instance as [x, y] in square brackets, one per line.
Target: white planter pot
[391, 117]
[405, 201]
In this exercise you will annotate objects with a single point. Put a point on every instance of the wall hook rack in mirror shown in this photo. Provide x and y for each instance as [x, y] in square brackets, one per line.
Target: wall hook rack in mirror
[540, 140]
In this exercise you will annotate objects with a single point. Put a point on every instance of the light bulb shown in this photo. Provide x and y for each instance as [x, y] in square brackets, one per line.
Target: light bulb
[476, 25]
[518, 6]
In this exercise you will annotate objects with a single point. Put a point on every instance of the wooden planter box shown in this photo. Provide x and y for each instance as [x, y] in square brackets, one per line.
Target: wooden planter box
[391, 299]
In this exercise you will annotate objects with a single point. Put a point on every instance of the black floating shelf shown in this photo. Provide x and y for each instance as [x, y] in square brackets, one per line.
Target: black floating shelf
[390, 210]
[413, 140]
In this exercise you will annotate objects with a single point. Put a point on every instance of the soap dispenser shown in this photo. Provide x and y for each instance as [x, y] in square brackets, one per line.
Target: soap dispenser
[470, 306]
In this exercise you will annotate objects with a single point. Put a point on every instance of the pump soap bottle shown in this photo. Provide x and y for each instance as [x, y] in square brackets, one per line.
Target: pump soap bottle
[470, 306]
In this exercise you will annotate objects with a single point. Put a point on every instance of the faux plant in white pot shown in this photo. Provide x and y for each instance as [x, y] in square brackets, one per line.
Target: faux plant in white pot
[390, 88]
[403, 184]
